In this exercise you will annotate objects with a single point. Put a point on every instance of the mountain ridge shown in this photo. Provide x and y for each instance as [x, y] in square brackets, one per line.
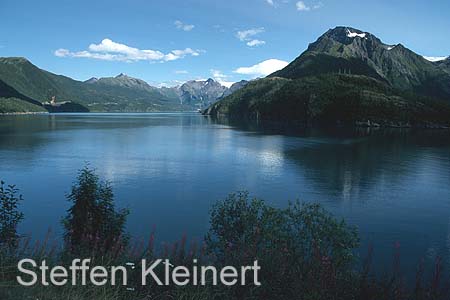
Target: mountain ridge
[363, 53]
[119, 93]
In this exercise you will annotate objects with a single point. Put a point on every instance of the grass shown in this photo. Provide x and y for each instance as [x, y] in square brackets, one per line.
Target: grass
[363, 284]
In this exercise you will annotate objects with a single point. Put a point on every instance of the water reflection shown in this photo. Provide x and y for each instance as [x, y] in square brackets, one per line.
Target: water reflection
[170, 168]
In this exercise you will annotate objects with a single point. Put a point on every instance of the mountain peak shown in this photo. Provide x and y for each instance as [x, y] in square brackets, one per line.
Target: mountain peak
[209, 80]
[347, 39]
[19, 60]
[122, 75]
[345, 33]
[92, 80]
[345, 30]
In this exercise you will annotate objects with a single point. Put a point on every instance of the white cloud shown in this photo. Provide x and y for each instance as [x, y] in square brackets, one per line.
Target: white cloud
[263, 68]
[302, 6]
[221, 78]
[248, 36]
[227, 84]
[218, 76]
[245, 35]
[180, 25]
[254, 43]
[270, 2]
[168, 84]
[181, 72]
[112, 51]
[435, 58]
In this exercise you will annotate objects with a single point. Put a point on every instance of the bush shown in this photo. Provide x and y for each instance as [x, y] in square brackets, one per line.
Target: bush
[301, 250]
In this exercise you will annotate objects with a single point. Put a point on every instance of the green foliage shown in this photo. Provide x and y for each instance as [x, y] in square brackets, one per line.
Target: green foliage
[10, 216]
[12, 101]
[15, 105]
[301, 249]
[330, 99]
[92, 224]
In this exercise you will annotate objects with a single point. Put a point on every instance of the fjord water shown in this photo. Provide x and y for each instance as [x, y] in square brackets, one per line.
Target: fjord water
[168, 169]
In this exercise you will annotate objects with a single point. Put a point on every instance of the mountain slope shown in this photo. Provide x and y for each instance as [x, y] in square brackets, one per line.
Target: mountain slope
[201, 93]
[347, 76]
[327, 99]
[13, 101]
[235, 87]
[125, 81]
[444, 65]
[29, 80]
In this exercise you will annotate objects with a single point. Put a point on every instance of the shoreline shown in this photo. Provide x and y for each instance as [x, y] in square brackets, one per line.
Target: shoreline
[24, 113]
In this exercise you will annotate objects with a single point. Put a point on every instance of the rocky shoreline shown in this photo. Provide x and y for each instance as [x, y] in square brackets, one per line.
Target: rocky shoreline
[398, 124]
[356, 124]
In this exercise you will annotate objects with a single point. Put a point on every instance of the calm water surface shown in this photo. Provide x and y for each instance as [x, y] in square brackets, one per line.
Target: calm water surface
[169, 169]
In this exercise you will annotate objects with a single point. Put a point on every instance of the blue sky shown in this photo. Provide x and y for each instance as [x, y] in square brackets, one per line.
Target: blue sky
[173, 41]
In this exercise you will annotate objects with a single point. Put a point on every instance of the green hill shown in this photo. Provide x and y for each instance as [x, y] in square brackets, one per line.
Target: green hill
[13, 101]
[16, 105]
[103, 95]
[328, 99]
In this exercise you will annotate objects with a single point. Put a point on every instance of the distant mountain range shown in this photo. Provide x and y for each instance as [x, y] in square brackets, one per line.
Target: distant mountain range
[25, 87]
[348, 76]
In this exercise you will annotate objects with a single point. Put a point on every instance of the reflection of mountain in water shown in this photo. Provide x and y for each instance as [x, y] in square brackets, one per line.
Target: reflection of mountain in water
[345, 165]
[342, 161]
[27, 133]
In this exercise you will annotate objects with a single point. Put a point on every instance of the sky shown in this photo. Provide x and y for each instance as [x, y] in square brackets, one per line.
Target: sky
[169, 42]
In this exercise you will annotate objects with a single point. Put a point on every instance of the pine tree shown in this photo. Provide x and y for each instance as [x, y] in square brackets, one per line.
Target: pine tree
[92, 224]
[10, 216]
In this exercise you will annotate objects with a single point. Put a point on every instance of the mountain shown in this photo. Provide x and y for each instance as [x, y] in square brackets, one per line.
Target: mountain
[33, 82]
[121, 93]
[124, 81]
[347, 76]
[235, 87]
[13, 101]
[444, 64]
[201, 93]
[349, 50]
[91, 80]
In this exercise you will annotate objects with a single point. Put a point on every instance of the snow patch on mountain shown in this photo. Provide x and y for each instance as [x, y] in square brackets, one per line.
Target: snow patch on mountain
[435, 58]
[354, 34]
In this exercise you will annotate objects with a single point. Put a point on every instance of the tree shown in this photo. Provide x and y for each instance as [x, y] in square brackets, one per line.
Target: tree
[10, 217]
[92, 224]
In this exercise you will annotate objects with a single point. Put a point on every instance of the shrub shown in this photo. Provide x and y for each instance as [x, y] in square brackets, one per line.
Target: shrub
[301, 249]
